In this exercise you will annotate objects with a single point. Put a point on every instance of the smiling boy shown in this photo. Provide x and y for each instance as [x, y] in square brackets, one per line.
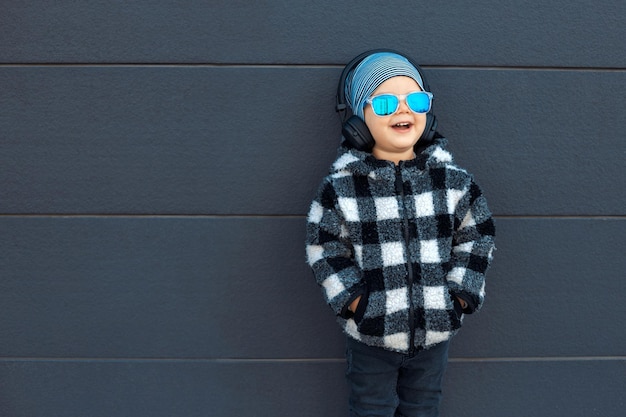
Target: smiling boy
[399, 239]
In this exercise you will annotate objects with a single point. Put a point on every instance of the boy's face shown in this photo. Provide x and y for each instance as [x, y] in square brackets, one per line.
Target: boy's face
[396, 134]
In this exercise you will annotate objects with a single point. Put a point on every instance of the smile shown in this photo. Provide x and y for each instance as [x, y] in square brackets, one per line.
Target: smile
[402, 125]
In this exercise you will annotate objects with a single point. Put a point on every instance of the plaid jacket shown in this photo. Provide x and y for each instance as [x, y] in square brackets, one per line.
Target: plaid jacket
[406, 238]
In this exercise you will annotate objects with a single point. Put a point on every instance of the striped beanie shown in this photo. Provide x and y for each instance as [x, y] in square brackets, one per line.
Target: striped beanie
[372, 72]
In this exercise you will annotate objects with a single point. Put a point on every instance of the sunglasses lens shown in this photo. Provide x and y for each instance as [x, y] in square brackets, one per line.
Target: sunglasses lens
[384, 105]
[418, 102]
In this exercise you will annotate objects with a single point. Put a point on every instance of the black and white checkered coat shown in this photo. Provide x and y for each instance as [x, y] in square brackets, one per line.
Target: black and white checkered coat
[406, 238]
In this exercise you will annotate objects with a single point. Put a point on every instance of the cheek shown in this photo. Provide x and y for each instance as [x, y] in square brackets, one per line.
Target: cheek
[371, 121]
[368, 116]
[420, 122]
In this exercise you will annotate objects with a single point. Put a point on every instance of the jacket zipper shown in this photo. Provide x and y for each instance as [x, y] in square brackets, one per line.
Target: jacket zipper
[400, 192]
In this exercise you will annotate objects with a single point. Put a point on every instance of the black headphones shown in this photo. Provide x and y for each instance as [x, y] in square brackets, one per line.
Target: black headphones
[354, 130]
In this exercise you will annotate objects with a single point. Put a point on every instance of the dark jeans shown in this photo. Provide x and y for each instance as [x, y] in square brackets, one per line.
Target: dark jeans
[390, 384]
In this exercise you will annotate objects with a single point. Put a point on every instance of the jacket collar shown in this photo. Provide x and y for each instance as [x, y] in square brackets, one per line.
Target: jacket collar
[354, 162]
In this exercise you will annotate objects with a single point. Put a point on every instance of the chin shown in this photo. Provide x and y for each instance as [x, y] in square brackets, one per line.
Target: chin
[406, 143]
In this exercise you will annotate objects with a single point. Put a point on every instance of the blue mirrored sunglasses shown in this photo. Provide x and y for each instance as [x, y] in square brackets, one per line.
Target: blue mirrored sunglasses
[387, 104]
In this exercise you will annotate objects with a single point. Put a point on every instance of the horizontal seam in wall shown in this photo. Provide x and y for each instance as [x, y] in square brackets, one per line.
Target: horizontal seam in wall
[309, 66]
[311, 360]
[282, 216]
[563, 216]
[155, 216]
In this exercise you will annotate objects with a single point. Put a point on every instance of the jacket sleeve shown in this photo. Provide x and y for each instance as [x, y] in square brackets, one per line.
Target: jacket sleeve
[473, 246]
[330, 253]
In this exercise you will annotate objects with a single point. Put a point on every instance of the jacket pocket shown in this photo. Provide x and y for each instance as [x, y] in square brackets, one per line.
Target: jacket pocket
[458, 309]
[360, 309]
[456, 312]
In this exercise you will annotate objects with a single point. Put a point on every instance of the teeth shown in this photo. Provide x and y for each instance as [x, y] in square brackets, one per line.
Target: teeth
[402, 124]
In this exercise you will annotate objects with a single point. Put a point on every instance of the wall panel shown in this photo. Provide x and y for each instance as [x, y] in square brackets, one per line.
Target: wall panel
[205, 140]
[307, 389]
[195, 287]
[585, 33]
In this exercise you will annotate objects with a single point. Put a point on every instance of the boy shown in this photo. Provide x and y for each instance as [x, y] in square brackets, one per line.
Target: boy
[399, 238]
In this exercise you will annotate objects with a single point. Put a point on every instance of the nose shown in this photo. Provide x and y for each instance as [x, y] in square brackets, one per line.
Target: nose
[403, 106]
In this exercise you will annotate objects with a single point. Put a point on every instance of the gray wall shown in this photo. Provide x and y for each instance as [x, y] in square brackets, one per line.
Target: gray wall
[158, 158]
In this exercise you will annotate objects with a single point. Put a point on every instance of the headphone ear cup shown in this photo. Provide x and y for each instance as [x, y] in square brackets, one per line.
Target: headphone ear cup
[357, 134]
[429, 130]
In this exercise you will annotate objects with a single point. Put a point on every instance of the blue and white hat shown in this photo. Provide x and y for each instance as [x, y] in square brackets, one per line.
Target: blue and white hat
[371, 73]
